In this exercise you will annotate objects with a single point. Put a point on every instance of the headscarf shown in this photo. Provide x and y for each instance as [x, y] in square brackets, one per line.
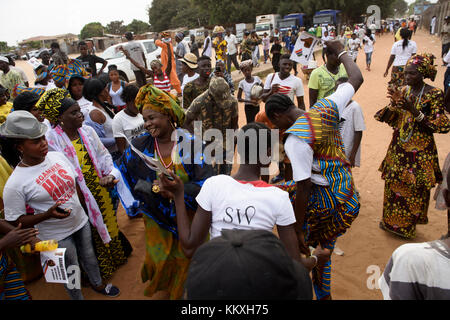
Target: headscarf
[150, 97]
[41, 73]
[425, 65]
[245, 64]
[18, 89]
[59, 74]
[53, 104]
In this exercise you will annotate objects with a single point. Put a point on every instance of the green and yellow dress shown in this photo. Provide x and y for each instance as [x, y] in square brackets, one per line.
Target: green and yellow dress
[411, 167]
[114, 254]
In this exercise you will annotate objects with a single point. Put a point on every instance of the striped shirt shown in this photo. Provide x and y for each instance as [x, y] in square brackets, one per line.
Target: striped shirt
[418, 271]
[164, 84]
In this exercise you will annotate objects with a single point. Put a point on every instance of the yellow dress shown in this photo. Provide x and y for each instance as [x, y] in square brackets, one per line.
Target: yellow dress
[112, 255]
[4, 111]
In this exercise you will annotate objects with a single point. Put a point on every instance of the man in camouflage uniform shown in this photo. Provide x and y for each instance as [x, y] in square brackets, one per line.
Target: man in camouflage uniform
[216, 108]
[194, 88]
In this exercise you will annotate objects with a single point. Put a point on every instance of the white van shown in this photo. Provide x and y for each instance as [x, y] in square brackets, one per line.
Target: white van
[116, 57]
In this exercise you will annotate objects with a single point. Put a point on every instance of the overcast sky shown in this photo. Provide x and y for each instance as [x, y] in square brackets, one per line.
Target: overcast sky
[22, 19]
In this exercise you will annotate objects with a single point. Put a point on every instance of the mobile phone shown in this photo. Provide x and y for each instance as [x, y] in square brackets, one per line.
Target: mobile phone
[218, 69]
[63, 211]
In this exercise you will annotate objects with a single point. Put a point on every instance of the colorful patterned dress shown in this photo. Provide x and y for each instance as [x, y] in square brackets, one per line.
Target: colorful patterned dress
[114, 254]
[330, 210]
[397, 77]
[411, 166]
[165, 265]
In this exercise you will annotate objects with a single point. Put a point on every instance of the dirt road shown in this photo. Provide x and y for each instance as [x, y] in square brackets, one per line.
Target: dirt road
[365, 245]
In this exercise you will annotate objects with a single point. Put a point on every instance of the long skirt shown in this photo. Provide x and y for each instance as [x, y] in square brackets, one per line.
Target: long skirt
[397, 78]
[326, 219]
[165, 265]
[404, 207]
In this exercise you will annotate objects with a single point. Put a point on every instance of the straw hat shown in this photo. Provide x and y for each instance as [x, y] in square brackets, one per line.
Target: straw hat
[191, 60]
[218, 29]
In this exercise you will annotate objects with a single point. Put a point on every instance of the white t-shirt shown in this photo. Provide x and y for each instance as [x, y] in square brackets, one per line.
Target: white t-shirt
[324, 39]
[291, 86]
[402, 56]
[354, 121]
[368, 46]
[40, 187]
[84, 104]
[207, 50]
[231, 44]
[131, 127]
[447, 58]
[135, 50]
[247, 86]
[301, 154]
[354, 44]
[187, 79]
[50, 85]
[244, 206]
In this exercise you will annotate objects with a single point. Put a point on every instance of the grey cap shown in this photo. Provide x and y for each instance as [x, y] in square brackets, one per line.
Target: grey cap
[22, 125]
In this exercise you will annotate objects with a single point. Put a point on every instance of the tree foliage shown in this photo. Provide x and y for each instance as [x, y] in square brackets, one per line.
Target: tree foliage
[93, 29]
[168, 14]
[138, 27]
[116, 27]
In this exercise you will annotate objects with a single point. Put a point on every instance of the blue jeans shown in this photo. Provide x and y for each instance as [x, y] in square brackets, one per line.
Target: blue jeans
[369, 58]
[79, 245]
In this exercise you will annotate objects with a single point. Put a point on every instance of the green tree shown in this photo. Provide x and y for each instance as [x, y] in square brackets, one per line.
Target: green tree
[138, 26]
[93, 29]
[3, 46]
[116, 27]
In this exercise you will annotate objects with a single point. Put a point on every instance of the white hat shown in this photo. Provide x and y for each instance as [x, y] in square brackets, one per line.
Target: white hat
[4, 59]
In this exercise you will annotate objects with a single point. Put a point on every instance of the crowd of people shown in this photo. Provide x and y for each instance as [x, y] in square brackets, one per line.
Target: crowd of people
[73, 150]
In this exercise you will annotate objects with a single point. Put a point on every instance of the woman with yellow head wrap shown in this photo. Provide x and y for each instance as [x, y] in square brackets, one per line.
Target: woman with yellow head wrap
[165, 265]
[411, 167]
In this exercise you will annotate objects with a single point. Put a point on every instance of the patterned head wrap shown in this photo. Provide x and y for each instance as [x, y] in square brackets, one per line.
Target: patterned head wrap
[246, 64]
[75, 67]
[18, 89]
[59, 75]
[155, 63]
[150, 97]
[425, 65]
[165, 35]
[41, 73]
[51, 103]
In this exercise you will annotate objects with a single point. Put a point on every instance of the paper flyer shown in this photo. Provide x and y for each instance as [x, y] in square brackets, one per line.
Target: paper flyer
[304, 48]
[53, 265]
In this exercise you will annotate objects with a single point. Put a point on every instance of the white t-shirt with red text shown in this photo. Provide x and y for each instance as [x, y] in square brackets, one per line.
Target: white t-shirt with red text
[244, 205]
[40, 187]
[292, 86]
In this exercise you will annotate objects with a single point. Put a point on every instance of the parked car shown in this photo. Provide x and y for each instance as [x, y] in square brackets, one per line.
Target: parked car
[33, 53]
[116, 57]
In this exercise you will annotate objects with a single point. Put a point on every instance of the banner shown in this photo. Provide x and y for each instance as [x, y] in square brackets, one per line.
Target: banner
[304, 48]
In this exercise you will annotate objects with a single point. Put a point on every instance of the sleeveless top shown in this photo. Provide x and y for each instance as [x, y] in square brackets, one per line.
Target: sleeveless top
[107, 125]
[162, 85]
[115, 96]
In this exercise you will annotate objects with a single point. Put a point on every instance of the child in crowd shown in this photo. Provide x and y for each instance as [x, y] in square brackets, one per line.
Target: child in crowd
[115, 88]
[246, 85]
[129, 121]
[276, 54]
[160, 78]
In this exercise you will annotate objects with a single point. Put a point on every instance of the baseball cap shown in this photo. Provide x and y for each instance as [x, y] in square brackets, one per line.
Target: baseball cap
[22, 125]
[219, 90]
[246, 265]
[191, 60]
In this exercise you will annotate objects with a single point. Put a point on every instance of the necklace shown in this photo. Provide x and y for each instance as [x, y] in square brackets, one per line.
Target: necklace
[26, 165]
[160, 157]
